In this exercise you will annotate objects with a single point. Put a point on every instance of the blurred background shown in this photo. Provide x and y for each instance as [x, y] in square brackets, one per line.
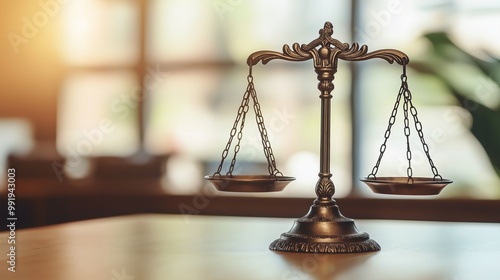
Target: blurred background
[122, 106]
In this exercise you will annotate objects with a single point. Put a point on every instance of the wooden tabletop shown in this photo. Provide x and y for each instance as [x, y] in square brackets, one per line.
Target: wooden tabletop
[144, 247]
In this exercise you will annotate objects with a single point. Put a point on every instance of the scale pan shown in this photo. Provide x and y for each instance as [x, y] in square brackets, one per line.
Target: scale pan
[403, 186]
[249, 183]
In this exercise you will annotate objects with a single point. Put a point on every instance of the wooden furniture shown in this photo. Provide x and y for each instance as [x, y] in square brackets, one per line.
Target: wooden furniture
[153, 246]
[39, 203]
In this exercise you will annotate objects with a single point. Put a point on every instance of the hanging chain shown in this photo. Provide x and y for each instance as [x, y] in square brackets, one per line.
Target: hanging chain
[268, 151]
[407, 98]
[242, 114]
[242, 110]
[418, 126]
[407, 107]
[240, 119]
[387, 134]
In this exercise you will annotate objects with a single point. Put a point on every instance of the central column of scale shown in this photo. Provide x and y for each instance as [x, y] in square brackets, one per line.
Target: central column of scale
[325, 187]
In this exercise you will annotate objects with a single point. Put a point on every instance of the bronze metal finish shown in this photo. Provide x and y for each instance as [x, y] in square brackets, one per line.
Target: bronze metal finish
[249, 183]
[275, 181]
[323, 229]
[406, 186]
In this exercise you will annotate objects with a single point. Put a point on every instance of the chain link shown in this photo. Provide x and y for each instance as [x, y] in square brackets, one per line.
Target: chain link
[407, 107]
[240, 119]
[407, 97]
[418, 128]
[268, 151]
[242, 110]
[387, 134]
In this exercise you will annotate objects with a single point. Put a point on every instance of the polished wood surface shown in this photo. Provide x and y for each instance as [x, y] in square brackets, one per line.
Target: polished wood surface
[144, 247]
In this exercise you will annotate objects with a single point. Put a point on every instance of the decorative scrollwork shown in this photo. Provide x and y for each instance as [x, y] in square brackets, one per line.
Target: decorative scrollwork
[357, 53]
[291, 54]
[326, 50]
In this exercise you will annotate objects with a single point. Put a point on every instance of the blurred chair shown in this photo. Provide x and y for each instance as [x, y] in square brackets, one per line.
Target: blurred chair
[43, 161]
[126, 168]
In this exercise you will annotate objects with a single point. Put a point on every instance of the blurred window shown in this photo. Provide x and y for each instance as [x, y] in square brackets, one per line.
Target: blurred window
[168, 75]
[446, 119]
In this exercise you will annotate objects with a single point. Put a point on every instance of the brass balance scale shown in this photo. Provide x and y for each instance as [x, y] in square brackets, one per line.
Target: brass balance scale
[324, 229]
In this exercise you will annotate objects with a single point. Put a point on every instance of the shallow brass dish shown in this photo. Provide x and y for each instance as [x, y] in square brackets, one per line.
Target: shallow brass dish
[249, 183]
[405, 186]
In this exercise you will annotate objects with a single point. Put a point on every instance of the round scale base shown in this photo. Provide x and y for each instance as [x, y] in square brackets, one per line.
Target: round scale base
[324, 230]
[337, 244]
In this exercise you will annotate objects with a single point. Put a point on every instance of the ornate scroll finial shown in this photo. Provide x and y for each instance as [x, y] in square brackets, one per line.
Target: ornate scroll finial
[327, 29]
[325, 39]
